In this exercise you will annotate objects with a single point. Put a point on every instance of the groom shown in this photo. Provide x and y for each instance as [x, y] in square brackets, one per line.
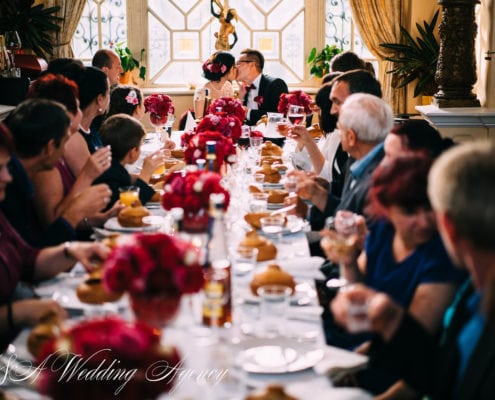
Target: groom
[258, 92]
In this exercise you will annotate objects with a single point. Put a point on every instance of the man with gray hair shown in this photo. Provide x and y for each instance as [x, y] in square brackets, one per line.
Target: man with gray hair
[461, 365]
[364, 121]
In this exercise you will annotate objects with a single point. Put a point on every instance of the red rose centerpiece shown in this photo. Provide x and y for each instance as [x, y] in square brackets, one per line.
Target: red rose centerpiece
[156, 270]
[228, 107]
[131, 351]
[191, 191]
[297, 98]
[159, 106]
[227, 125]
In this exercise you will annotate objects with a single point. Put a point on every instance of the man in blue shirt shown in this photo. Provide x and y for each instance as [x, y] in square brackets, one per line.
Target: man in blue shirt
[461, 363]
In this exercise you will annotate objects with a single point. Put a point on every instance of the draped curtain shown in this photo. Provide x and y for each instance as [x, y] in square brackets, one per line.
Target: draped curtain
[378, 22]
[70, 11]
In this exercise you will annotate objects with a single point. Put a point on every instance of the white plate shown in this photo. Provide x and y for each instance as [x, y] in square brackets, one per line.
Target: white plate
[267, 185]
[154, 223]
[277, 356]
[303, 295]
[274, 206]
[153, 205]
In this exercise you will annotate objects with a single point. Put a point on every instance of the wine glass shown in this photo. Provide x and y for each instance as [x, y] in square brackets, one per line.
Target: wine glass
[13, 43]
[296, 115]
[342, 241]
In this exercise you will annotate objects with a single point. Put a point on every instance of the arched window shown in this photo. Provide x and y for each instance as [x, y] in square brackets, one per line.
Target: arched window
[179, 35]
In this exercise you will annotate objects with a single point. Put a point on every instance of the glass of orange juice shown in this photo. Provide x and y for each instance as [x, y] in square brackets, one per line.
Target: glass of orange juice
[128, 195]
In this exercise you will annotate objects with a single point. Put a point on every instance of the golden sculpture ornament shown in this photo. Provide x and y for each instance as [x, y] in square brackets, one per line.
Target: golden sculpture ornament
[225, 16]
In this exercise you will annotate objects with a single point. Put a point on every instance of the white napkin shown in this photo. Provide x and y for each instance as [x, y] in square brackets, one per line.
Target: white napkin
[336, 362]
[304, 267]
[320, 388]
[306, 313]
[190, 122]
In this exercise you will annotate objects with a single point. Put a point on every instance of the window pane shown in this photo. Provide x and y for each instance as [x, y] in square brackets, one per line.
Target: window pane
[102, 22]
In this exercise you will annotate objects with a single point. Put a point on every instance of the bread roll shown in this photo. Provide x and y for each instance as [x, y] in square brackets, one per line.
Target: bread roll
[277, 196]
[272, 275]
[271, 174]
[315, 131]
[270, 149]
[254, 218]
[48, 328]
[92, 290]
[272, 392]
[132, 216]
[266, 249]
[177, 153]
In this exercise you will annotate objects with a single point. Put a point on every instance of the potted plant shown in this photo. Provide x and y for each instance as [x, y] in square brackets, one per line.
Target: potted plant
[320, 61]
[129, 63]
[34, 23]
[416, 60]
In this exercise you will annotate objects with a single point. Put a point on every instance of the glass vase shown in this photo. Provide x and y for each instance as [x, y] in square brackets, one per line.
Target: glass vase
[195, 222]
[157, 310]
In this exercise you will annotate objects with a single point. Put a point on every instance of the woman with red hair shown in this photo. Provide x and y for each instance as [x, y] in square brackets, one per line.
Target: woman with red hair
[403, 254]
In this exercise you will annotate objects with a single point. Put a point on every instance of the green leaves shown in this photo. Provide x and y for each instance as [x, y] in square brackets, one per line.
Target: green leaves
[128, 61]
[33, 23]
[321, 61]
[416, 60]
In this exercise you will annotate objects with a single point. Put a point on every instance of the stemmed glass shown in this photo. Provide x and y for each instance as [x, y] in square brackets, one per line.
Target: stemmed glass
[296, 115]
[341, 242]
[13, 43]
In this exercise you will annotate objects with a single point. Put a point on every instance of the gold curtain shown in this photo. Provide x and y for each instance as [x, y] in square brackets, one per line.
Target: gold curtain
[378, 22]
[70, 11]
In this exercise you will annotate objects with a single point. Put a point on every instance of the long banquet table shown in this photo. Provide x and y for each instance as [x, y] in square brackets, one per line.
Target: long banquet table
[215, 359]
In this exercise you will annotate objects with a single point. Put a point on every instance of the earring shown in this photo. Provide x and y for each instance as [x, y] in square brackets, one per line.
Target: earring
[100, 110]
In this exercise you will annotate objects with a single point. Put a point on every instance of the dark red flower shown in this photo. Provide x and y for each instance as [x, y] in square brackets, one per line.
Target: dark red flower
[159, 106]
[229, 107]
[196, 148]
[259, 100]
[192, 190]
[228, 126]
[296, 97]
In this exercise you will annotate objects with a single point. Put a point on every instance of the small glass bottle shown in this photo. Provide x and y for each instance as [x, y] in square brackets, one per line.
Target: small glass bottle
[4, 58]
[217, 307]
[211, 156]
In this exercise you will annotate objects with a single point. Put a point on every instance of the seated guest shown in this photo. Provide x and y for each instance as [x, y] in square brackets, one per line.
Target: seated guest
[363, 139]
[460, 363]
[260, 93]
[124, 134]
[326, 158]
[220, 71]
[125, 99]
[346, 61]
[415, 135]
[40, 129]
[56, 187]
[404, 255]
[20, 262]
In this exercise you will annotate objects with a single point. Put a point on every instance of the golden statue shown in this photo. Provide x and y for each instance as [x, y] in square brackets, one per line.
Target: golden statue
[225, 16]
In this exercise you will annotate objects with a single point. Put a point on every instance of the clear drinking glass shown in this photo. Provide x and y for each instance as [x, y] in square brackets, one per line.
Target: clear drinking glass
[296, 115]
[342, 241]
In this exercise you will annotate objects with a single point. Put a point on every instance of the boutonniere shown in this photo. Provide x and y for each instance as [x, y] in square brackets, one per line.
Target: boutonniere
[259, 100]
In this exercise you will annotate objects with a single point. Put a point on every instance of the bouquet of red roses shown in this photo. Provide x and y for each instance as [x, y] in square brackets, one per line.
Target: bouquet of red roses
[128, 350]
[192, 190]
[159, 106]
[196, 148]
[228, 126]
[154, 264]
[229, 107]
[297, 98]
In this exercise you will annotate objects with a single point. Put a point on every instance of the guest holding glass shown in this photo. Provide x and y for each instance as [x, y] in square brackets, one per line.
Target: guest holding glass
[21, 262]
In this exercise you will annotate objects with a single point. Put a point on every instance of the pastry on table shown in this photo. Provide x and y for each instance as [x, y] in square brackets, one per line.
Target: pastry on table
[270, 149]
[254, 189]
[277, 196]
[272, 275]
[177, 153]
[132, 216]
[266, 249]
[48, 328]
[254, 218]
[271, 159]
[271, 174]
[315, 131]
[271, 392]
[92, 290]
